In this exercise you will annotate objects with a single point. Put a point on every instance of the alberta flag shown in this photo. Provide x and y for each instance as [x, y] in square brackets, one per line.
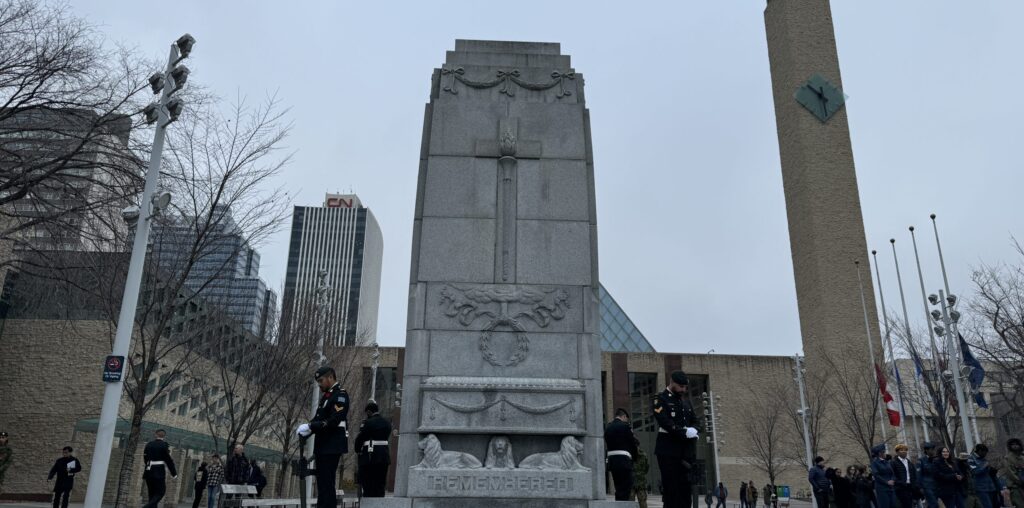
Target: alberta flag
[890, 404]
[977, 372]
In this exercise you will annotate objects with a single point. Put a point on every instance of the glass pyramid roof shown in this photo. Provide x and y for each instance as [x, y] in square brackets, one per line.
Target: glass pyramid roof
[618, 333]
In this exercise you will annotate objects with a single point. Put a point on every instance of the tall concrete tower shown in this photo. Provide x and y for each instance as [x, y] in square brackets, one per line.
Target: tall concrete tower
[826, 229]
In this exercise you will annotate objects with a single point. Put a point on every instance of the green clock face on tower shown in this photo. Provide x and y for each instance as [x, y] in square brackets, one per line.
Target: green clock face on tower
[820, 97]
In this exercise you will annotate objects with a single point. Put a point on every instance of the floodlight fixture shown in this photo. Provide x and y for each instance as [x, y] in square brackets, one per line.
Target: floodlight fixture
[180, 76]
[940, 331]
[954, 315]
[174, 107]
[933, 299]
[151, 112]
[184, 44]
[951, 300]
[156, 82]
[936, 315]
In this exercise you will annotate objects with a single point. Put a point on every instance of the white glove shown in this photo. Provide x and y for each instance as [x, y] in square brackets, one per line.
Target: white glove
[691, 432]
[304, 430]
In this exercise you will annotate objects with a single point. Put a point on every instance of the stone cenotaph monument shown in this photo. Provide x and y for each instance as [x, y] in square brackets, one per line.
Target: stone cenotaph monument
[502, 374]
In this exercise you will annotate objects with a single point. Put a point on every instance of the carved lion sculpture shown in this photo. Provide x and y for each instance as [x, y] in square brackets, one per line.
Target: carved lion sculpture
[568, 457]
[499, 454]
[436, 458]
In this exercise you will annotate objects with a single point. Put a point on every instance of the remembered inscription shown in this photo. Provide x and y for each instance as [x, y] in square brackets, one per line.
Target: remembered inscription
[499, 483]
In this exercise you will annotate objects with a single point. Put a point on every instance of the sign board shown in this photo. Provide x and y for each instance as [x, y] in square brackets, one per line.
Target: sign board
[342, 201]
[113, 367]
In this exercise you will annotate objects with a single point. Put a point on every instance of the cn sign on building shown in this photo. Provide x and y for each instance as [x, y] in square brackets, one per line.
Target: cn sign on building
[342, 201]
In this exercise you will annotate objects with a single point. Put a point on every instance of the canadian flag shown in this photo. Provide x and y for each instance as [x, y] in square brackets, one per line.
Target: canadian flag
[890, 404]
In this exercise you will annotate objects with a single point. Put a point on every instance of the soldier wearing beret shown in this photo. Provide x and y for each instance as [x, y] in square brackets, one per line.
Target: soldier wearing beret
[374, 455]
[621, 446]
[676, 446]
[330, 424]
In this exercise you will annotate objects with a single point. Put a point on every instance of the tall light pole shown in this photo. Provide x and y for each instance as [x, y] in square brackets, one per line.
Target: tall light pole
[713, 417]
[322, 291]
[164, 111]
[804, 413]
[948, 332]
[373, 372]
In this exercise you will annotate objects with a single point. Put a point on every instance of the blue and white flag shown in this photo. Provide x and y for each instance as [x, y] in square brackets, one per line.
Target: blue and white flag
[977, 373]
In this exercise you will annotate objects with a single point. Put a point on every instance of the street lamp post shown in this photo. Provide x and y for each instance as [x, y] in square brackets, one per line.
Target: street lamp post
[948, 331]
[713, 417]
[373, 372]
[322, 290]
[804, 413]
[163, 112]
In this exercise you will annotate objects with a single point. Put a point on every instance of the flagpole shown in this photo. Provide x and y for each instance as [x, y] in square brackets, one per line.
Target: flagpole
[931, 336]
[871, 351]
[956, 333]
[892, 354]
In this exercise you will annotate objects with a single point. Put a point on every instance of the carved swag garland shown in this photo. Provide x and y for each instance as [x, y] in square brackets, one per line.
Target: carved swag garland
[507, 79]
[466, 305]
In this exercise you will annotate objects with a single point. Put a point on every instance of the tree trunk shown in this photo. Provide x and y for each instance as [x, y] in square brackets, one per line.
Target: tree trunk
[124, 476]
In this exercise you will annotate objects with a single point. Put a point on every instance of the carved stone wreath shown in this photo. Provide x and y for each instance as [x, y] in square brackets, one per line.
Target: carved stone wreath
[507, 79]
[522, 347]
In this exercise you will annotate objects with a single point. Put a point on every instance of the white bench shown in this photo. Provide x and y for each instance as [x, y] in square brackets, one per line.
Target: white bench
[245, 495]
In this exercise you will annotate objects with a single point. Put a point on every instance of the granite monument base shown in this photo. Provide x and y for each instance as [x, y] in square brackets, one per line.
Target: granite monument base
[466, 502]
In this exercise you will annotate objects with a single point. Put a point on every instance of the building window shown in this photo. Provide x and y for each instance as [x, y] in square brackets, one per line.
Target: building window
[643, 386]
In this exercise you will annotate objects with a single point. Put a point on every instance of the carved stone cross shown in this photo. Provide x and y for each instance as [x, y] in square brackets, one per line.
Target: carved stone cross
[508, 149]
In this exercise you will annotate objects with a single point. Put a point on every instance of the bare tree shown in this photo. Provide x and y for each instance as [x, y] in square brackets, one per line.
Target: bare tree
[818, 399]
[768, 436]
[67, 159]
[855, 398]
[218, 168]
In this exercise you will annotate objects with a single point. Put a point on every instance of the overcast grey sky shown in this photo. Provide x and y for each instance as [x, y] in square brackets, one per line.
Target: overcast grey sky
[692, 222]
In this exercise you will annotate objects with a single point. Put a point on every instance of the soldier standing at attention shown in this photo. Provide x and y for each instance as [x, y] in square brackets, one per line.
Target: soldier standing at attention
[374, 455]
[330, 424]
[158, 461]
[64, 470]
[621, 446]
[676, 446]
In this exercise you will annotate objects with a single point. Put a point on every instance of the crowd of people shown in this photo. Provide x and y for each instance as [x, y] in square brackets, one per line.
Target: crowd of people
[958, 481]
[749, 494]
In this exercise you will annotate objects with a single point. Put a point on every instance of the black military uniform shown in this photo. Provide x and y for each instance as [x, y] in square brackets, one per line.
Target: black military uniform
[158, 462]
[675, 451]
[620, 444]
[374, 453]
[64, 470]
[330, 425]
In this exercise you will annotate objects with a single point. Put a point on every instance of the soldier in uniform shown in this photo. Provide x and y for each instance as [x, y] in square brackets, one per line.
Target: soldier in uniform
[5, 457]
[158, 461]
[330, 424]
[374, 455]
[621, 449]
[676, 446]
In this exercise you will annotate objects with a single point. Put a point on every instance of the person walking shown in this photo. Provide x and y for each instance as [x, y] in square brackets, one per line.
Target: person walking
[983, 477]
[709, 499]
[238, 469]
[620, 444]
[752, 494]
[884, 479]
[905, 475]
[157, 456]
[374, 452]
[926, 475]
[676, 444]
[820, 484]
[200, 484]
[768, 491]
[743, 495]
[330, 424]
[948, 478]
[1012, 472]
[722, 494]
[64, 470]
[214, 479]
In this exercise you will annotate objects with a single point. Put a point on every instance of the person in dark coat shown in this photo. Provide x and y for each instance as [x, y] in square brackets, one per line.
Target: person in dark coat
[905, 474]
[64, 470]
[743, 495]
[257, 478]
[330, 425]
[842, 487]
[884, 479]
[374, 452]
[820, 484]
[238, 470]
[676, 444]
[948, 479]
[863, 487]
[202, 477]
[926, 475]
[986, 487]
[157, 456]
[620, 444]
